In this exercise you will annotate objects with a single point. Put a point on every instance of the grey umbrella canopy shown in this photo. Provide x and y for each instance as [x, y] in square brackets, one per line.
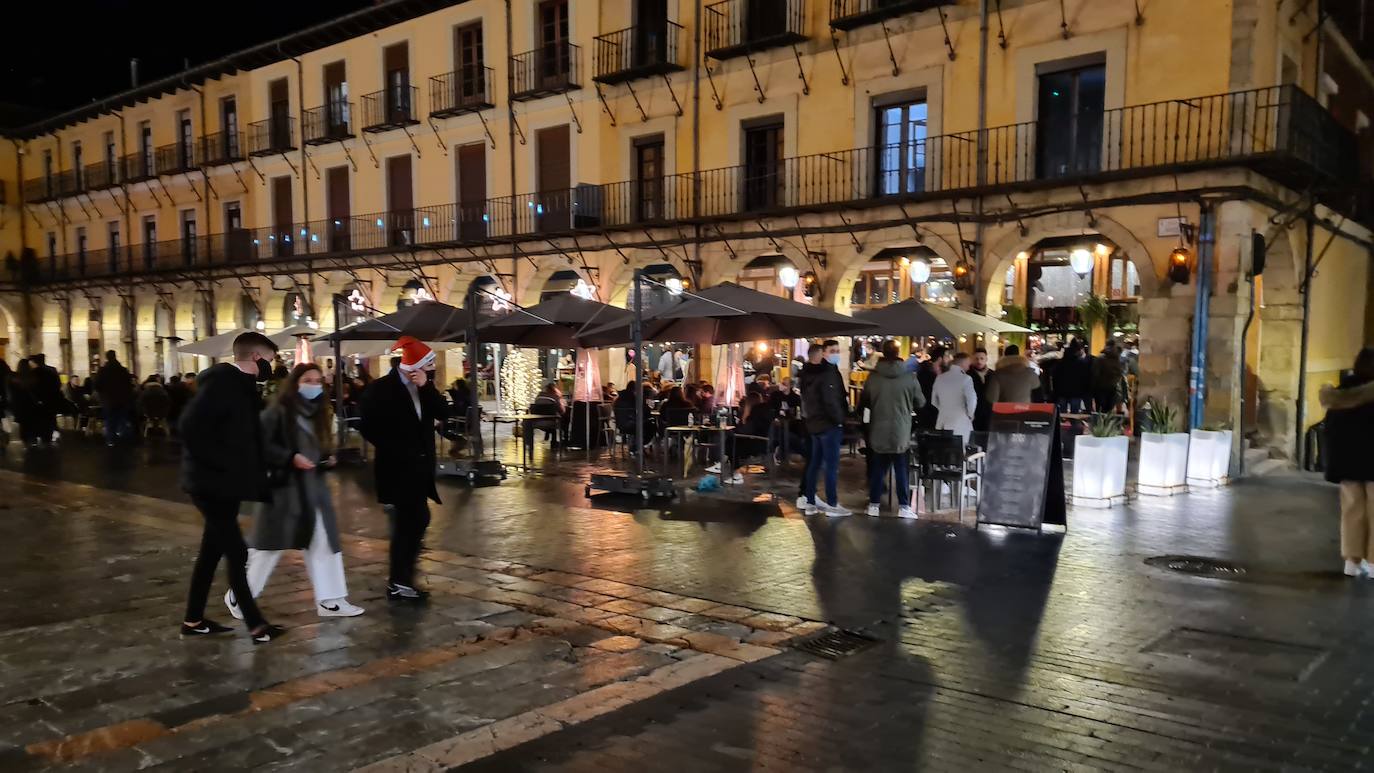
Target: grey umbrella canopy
[554, 323]
[919, 319]
[727, 314]
[427, 321]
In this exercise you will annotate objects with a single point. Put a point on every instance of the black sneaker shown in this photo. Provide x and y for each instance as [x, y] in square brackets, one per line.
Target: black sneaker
[205, 628]
[267, 634]
[405, 594]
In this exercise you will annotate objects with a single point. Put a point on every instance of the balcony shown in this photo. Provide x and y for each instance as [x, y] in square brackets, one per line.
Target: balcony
[466, 90]
[739, 27]
[274, 135]
[391, 108]
[175, 159]
[327, 123]
[139, 167]
[849, 14]
[638, 52]
[550, 69]
[221, 148]
[100, 175]
[50, 188]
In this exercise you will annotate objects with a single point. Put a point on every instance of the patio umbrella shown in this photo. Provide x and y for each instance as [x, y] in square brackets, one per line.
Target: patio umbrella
[427, 321]
[552, 324]
[918, 319]
[216, 346]
[728, 313]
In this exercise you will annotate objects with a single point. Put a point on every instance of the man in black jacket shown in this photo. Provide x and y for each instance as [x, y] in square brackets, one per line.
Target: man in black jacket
[824, 407]
[47, 394]
[114, 387]
[222, 466]
[399, 415]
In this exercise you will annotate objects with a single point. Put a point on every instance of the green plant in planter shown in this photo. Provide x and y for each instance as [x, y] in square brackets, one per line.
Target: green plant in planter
[1015, 315]
[1094, 311]
[1164, 418]
[1105, 425]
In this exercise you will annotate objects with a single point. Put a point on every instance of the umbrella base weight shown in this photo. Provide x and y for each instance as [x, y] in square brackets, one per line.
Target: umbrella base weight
[470, 469]
[645, 486]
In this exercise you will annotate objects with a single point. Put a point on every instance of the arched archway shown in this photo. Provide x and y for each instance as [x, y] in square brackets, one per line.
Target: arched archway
[164, 338]
[11, 334]
[847, 269]
[250, 313]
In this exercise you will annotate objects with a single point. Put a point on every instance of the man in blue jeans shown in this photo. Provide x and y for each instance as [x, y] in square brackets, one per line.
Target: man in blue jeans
[114, 387]
[824, 407]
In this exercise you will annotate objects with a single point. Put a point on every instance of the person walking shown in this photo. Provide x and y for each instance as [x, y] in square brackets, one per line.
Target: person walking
[399, 414]
[954, 398]
[892, 396]
[1349, 425]
[298, 435]
[47, 397]
[1073, 379]
[824, 408]
[1014, 381]
[223, 466]
[23, 404]
[1107, 374]
[114, 388]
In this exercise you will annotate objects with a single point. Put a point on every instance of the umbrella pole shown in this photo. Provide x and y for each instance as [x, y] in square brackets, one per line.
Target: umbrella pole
[474, 417]
[340, 425]
[637, 333]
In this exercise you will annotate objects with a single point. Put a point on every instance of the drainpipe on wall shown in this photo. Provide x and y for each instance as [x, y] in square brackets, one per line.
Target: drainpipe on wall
[696, 165]
[1202, 304]
[1300, 410]
[978, 302]
[26, 323]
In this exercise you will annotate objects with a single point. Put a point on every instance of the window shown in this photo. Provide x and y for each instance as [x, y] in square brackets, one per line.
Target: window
[1125, 280]
[396, 60]
[112, 239]
[111, 158]
[765, 19]
[901, 147]
[229, 126]
[145, 149]
[467, 61]
[52, 245]
[188, 236]
[149, 240]
[185, 141]
[77, 168]
[279, 115]
[1069, 127]
[81, 249]
[554, 59]
[648, 159]
[763, 179]
[336, 99]
[47, 172]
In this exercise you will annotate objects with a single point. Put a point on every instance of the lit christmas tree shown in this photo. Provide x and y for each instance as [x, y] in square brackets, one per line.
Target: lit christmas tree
[520, 379]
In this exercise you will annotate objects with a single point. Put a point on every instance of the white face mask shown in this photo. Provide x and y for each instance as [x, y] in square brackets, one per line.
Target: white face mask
[833, 359]
[311, 391]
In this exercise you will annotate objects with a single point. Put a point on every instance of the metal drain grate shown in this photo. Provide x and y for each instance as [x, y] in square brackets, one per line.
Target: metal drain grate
[1199, 566]
[837, 644]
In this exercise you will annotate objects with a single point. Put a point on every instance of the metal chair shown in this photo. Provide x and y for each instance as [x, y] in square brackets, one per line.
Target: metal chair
[942, 457]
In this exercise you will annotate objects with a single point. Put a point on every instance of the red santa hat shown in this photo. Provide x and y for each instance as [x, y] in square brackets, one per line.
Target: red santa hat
[415, 355]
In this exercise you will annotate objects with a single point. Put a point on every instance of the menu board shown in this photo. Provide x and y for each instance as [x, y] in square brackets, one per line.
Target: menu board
[1023, 475]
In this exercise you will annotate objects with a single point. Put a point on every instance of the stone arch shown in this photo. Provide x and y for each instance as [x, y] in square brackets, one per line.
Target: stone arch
[1002, 252]
[533, 285]
[617, 283]
[840, 276]
[462, 281]
[11, 328]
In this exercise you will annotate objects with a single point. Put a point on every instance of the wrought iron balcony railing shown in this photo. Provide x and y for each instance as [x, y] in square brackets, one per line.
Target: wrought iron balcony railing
[49, 188]
[848, 14]
[549, 69]
[139, 167]
[100, 175]
[331, 122]
[175, 158]
[1278, 132]
[738, 27]
[222, 148]
[273, 135]
[390, 108]
[465, 90]
[638, 52]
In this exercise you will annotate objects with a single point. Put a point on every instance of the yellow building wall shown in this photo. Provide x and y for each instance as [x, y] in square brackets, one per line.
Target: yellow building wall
[1337, 316]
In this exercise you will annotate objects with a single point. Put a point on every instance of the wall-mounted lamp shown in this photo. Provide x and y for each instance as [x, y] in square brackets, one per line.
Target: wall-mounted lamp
[789, 276]
[919, 271]
[1179, 269]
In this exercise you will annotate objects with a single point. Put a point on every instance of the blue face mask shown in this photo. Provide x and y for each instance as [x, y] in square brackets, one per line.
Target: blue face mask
[833, 359]
[311, 391]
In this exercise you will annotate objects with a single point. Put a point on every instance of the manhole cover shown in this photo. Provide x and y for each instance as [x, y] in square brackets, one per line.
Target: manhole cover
[1240, 654]
[837, 644]
[1199, 565]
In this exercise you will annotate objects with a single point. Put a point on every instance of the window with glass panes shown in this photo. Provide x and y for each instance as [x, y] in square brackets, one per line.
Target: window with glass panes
[901, 147]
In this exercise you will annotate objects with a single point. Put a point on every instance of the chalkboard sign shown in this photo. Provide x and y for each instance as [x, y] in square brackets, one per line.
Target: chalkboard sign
[1023, 475]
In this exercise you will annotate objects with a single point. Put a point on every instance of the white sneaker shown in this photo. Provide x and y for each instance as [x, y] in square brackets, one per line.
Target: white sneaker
[807, 507]
[337, 608]
[873, 510]
[906, 512]
[233, 605]
[714, 468]
[1366, 569]
[834, 510]
[802, 504]
[1353, 569]
[737, 479]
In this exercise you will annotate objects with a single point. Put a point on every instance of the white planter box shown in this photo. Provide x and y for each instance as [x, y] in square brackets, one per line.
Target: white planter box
[1163, 464]
[1209, 458]
[1099, 470]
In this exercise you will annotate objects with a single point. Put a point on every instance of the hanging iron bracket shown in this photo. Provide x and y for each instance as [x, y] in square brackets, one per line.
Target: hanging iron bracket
[643, 116]
[1001, 30]
[256, 170]
[858, 245]
[891, 56]
[835, 44]
[715, 95]
[915, 229]
[605, 106]
[1139, 17]
[368, 145]
[433, 127]
[158, 199]
[209, 186]
[949, 45]
[769, 236]
[618, 251]
[573, 110]
[486, 129]
[515, 122]
[192, 183]
[801, 73]
[82, 204]
[1064, 22]
[672, 94]
[1092, 219]
[348, 155]
[294, 171]
[725, 240]
[123, 209]
[165, 192]
[1020, 224]
[754, 72]
[411, 137]
[311, 162]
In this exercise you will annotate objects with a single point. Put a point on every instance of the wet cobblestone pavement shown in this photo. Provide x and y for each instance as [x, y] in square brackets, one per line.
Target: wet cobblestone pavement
[568, 634]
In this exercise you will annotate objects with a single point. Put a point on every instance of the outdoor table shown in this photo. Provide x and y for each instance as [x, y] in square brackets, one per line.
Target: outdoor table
[517, 419]
[684, 429]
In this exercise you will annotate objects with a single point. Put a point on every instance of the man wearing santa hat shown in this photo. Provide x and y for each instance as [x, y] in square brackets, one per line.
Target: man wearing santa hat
[399, 414]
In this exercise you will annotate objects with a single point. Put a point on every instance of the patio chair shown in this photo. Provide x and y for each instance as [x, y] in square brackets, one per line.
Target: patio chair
[942, 458]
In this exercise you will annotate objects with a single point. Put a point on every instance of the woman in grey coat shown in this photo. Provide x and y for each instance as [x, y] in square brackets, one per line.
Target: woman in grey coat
[298, 443]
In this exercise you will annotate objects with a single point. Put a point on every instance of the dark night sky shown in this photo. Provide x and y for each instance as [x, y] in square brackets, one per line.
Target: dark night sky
[67, 53]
